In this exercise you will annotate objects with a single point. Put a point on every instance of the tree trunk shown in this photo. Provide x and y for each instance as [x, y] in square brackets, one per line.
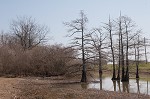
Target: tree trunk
[137, 71]
[127, 60]
[112, 50]
[122, 58]
[100, 66]
[100, 62]
[83, 79]
[118, 77]
[137, 65]
[137, 60]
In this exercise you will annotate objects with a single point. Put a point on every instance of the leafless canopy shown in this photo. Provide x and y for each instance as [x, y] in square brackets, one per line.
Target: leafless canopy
[28, 32]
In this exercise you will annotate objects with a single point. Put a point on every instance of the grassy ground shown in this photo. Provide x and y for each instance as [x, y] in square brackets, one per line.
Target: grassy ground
[50, 88]
[143, 68]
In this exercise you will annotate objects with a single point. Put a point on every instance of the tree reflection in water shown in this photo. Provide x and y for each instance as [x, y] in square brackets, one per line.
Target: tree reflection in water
[138, 87]
[133, 86]
[100, 79]
[118, 82]
[114, 84]
[147, 86]
[125, 86]
[84, 85]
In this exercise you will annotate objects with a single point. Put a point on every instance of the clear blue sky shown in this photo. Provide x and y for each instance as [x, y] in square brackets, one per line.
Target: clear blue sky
[53, 12]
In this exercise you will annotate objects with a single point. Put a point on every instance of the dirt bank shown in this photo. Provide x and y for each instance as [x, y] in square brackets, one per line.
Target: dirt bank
[50, 88]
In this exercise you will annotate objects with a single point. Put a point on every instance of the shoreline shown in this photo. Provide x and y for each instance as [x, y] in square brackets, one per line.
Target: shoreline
[47, 88]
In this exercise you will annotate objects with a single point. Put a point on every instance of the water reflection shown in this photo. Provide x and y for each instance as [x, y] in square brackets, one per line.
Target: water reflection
[114, 84]
[147, 86]
[100, 79]
[125, 86]
[118, 82]
[84, 85]
[138, 87]
[133, 86]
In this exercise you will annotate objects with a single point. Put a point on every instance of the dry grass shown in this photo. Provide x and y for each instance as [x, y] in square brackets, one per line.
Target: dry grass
[50, 88]
[8, 88]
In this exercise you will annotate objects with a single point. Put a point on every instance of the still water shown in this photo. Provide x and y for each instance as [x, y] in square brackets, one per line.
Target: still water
[133, 86]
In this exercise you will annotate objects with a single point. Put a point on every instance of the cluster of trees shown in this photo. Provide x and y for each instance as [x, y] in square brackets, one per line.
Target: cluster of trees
[117, 41]
[23, 51]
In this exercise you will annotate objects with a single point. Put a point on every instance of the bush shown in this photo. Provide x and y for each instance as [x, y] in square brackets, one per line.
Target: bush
[39, 61]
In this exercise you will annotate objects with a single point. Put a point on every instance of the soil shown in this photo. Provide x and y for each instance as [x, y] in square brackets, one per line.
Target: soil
[50, 88]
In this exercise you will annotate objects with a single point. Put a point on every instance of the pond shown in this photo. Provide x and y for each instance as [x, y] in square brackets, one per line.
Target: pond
[133, 86]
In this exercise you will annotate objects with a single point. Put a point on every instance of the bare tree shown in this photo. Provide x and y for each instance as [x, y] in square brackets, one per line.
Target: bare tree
[28, 32]
[125, 27]
[138, 44]
[145, 48]
[129, 27]
[97, 38]
[7, 39]
[137, 53]
[122, 49]
[4, 38]
[78, 26]
[119, 29]
[108, 27]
